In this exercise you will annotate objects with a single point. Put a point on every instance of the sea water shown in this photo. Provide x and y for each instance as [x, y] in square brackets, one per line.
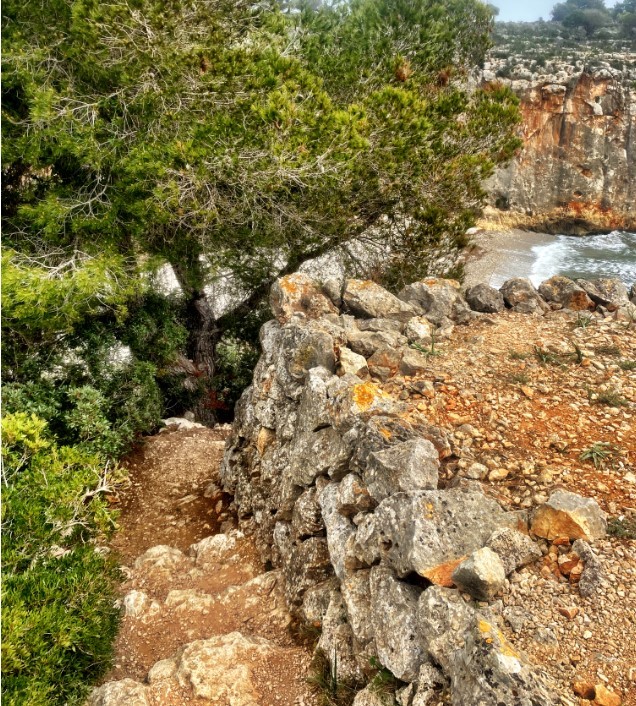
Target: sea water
[588, 257]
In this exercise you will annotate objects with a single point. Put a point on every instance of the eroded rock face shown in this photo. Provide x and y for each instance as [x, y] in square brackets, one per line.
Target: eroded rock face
[298, 293]
[394, 615]
[370, 301]
[610, 293]
[514, 548]
[482, 574]
[577, 150]
[126, 692]
[410, 465]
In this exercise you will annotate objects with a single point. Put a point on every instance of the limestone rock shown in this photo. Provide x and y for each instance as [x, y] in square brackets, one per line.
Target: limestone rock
[429, 681]
[126, 692]
[394, 611]
[161, 558]
[389, 326]
[604, 697]
[316, 601]
[298, 293]
[410, 465]
[322, 452]
[353, 363]
[439, 299]
[369, 301]
[591, 580]
[482, 574]
[215, 549]
[420, 530]
[366, 343]
[336, 640]
[353, 496]
[220, 668]
[521, 295]
[332, 288]
[356, 595]
[413, 363]
[569, 515]
[305, 564]
[181, 423]
[339, 529]
[514, 548]
[419, 330]
[468, 646]
[385, 362]
[564, 291]
[610, 293]
[138, 604]
[307, 516]
[369, 697]
[189, 601]
[164, 669]
[485, 299]
[303, 348]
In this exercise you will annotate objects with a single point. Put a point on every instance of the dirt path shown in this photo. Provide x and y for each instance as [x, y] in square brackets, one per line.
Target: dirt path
[202, 621]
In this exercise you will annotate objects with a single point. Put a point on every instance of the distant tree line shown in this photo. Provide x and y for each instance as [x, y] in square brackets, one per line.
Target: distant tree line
[592, 16]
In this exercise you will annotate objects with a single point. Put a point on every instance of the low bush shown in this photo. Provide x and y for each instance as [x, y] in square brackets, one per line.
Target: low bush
[58, 590]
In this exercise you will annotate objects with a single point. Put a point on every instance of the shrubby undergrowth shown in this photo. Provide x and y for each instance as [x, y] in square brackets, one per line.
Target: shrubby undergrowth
[86, 351]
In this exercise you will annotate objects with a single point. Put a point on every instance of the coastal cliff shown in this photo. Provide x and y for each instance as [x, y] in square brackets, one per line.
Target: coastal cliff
[579, 134]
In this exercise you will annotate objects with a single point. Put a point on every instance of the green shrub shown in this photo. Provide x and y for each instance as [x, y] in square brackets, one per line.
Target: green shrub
[58, 617]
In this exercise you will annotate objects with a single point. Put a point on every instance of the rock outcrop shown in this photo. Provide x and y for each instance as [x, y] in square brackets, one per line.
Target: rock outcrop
[340, 487]
[578, 126]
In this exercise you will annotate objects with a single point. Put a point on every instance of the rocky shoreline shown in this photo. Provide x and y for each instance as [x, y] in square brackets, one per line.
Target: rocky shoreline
[414, 498]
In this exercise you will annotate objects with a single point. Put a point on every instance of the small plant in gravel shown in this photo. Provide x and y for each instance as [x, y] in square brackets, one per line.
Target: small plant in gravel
[622, 527]
[431, 350]
[583, 321]
[609, 397]
[578, 354]
[627, 364]
[546, 357]
[518, 355]
[600, 453]
[325, 682]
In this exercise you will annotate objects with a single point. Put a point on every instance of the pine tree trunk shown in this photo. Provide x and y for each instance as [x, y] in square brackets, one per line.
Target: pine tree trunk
[203, 338]
[203, 334]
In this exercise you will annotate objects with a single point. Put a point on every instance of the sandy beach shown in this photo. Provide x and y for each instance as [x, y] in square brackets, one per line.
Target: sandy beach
[498, 255]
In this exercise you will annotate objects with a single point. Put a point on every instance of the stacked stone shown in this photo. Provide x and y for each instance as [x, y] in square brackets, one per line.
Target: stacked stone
[341, 490]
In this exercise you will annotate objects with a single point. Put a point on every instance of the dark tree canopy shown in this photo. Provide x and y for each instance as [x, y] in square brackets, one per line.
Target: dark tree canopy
[230, 138]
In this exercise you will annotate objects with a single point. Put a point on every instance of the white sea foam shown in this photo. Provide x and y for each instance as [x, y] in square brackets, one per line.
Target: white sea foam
[589, 257]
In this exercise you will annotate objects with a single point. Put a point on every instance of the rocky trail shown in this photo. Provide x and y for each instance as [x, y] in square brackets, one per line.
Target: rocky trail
[203, 622]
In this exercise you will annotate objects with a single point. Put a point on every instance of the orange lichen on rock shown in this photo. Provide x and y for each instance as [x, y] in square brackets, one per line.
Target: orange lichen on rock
[441, 575]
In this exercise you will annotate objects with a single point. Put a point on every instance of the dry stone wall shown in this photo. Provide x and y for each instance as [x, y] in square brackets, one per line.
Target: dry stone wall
[342, 493]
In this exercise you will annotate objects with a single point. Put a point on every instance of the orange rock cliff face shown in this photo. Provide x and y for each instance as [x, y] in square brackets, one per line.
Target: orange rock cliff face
[579, 133]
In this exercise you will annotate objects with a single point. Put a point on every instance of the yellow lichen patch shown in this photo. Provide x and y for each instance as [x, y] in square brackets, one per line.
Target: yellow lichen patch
[365, 394]
[490, 631]
[485, 626]
[288, 285]
[386, 433]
